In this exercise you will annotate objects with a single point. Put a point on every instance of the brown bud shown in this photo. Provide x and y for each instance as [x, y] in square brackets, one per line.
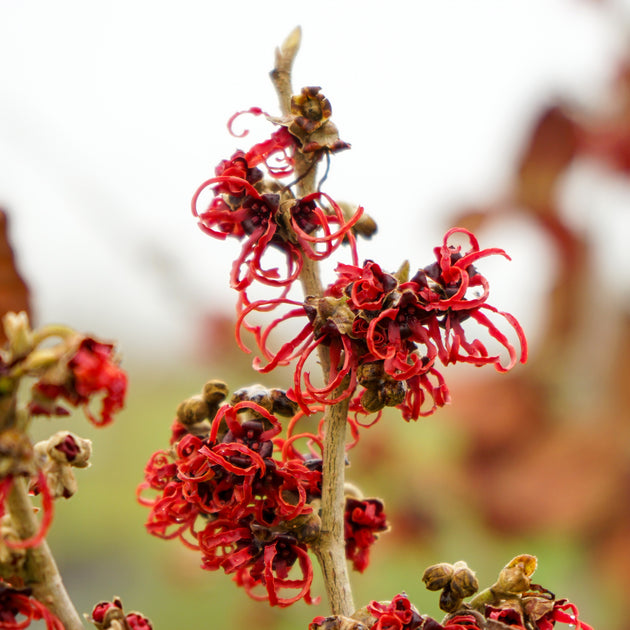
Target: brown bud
[515, 577]
[306, 528]
[438, 576]
[254, 393]
[281, 404]
[214, 392]
[464, 582]
[365, 226]
[192, 410]
[338, 622]
[371, 400]
[370, 373]
[393, 392]
[449, 601]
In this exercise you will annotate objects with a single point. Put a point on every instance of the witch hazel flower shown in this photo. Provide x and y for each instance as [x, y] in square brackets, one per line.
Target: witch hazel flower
[109, 615]
[87, 369]
[18, 609]
[230, 494]
[257, 209]
[388, 334]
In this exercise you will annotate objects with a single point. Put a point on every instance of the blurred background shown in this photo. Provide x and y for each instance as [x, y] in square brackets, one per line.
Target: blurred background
[512, 118]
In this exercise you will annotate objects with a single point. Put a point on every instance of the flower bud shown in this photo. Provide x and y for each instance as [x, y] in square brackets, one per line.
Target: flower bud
[253, 393]
[192, 410]
[214, 393]
[281, 404]
[438, 576]
[68, 448]
[18, 333]
[464, 583]
[393, 392]
[370, 373]
[449, 601]
[371, 400]
[306, 527]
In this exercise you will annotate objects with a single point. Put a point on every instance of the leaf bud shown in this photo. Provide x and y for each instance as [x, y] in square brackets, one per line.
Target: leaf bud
[515, 577]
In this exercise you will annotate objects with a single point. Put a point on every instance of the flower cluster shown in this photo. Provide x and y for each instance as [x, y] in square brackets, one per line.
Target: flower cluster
[224, 491]
[264, 214]
[110, 616]
[401, 614]
[364, 519]
[88, 368]
[76, 369]
[243, 495]
[387, 333]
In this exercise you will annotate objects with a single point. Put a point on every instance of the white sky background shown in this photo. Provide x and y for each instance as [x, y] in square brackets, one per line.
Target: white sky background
[112, 113]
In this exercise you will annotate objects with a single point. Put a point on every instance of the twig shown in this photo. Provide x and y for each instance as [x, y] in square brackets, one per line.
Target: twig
[330, 548]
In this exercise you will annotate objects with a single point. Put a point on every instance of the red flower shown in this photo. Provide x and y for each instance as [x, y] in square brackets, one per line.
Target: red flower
[367, 318]
[563, 612]
[90, 370]
[18, 602]
[363, 521]
[104, 613]
[399, 614]
[227, 495]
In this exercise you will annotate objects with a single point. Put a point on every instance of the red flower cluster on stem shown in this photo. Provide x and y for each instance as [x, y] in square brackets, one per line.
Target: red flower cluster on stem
[266, 215]
[227, 495]
[237, 488]
[387, 334]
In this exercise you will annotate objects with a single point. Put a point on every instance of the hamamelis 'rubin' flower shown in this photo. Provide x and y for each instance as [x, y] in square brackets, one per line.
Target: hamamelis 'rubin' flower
[363, 521]
[387, 333]
[106, 614]
[229, 495]
[399, 614]
[90, 369]
[264, 214]
[18, 609]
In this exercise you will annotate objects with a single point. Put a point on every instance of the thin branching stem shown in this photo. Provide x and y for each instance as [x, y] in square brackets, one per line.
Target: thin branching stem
[330, 548]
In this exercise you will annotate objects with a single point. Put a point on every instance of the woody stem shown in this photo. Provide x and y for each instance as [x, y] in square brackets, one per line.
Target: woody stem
[41, 572]
[330, 547]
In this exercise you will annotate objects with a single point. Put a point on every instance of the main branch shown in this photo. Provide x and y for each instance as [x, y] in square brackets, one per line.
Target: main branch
[330, 548]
